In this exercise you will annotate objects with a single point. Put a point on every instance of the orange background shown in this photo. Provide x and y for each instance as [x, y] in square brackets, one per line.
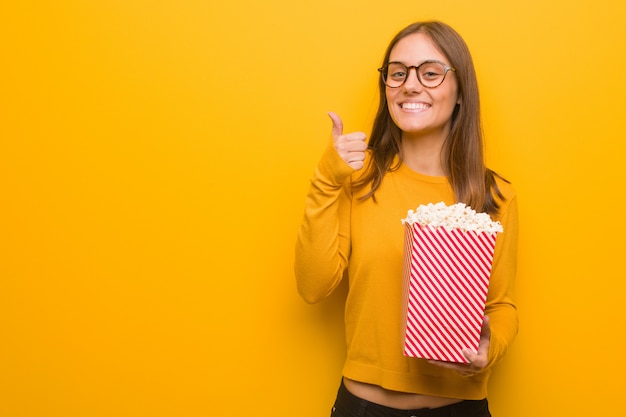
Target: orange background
[154, 158]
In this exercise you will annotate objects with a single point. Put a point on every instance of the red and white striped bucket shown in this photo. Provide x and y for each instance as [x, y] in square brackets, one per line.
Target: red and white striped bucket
[446, 275]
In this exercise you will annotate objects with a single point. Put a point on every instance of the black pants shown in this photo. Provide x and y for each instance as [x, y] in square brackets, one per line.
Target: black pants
[349, 405]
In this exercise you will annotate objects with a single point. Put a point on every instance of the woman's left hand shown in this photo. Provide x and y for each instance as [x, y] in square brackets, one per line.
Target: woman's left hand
[478, 360]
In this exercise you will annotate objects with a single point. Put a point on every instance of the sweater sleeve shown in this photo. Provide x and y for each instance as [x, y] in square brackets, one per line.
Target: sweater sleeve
[500, 306]
[323, 243]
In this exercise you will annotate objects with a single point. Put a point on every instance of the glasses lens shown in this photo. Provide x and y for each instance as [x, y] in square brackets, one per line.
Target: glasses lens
[431, 74]
[395, 74]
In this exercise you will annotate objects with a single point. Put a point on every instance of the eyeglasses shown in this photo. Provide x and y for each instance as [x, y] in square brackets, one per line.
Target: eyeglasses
[429, 73]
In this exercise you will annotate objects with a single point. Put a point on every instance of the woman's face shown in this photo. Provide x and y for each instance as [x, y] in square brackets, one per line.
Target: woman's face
[415, 109]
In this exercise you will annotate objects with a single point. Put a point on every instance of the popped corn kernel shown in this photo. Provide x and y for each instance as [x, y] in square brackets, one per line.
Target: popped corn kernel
[456, 216]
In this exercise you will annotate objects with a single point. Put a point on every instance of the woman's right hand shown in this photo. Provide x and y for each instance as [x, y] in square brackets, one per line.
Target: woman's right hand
[351, 146]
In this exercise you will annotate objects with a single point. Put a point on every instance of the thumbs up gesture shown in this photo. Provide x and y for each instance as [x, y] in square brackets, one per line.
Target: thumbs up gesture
[351, 146]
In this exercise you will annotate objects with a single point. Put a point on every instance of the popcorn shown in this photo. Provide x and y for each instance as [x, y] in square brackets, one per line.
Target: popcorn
[448, 255]
[457, 216]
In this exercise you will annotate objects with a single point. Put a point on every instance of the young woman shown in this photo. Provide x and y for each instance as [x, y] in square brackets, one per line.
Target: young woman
[425, 147]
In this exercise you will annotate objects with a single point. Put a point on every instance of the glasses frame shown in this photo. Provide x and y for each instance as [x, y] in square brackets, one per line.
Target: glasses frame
[446, 69]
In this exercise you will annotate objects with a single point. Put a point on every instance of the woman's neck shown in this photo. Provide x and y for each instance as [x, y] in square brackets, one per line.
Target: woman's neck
[423, 154]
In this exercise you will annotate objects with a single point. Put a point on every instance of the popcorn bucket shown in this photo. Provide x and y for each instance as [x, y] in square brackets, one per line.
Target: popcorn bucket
[446, 278]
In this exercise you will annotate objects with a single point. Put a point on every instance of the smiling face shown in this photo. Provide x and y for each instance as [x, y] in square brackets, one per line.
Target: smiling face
[419, 111]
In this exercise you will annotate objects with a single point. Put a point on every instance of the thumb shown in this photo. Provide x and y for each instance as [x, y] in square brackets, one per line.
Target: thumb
[337, 125]
[486, 328]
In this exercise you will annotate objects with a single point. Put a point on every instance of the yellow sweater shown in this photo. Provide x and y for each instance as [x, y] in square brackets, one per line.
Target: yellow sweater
[366, 238]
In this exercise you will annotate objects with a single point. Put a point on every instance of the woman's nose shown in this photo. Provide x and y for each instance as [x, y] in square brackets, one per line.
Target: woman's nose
[412, 82]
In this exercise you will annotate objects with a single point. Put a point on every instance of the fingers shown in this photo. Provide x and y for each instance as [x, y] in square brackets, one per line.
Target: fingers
[351, 146]
[477, 361]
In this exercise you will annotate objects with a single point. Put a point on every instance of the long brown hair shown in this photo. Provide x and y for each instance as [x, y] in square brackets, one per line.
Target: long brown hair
[462, 153]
